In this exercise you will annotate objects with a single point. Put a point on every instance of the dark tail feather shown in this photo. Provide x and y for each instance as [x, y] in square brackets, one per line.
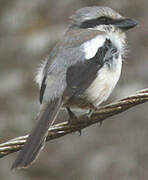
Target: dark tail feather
[36, 140]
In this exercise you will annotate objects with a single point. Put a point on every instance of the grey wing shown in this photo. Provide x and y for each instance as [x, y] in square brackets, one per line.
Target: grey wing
[54, 73]
[65, 68]
[65, 53]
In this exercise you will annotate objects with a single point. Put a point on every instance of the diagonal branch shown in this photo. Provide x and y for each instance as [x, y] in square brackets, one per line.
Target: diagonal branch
[61, 129]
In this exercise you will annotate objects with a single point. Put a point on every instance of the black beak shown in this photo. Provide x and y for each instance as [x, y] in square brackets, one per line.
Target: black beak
[125, 24]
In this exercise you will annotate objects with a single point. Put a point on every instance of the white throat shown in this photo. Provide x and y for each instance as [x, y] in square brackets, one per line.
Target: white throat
[91, 47]
[119, 41]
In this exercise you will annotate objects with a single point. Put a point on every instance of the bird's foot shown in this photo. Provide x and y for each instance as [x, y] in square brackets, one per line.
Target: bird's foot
[90, 112]
[72, 119]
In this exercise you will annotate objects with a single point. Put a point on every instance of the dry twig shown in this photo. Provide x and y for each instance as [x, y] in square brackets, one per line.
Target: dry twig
[62, 129]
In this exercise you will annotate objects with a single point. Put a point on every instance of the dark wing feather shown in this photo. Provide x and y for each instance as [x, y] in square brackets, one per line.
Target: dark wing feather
[81, 75]
[42, 89]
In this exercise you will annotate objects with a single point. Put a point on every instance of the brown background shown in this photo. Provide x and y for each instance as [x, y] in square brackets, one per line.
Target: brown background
[118, 150]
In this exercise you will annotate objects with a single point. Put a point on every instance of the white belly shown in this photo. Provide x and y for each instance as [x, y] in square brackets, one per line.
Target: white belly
[103, 85]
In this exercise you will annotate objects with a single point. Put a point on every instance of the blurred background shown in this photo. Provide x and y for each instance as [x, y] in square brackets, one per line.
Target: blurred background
[118, 150]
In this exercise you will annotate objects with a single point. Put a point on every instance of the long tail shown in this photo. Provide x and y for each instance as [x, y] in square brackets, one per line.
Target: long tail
[36, 140]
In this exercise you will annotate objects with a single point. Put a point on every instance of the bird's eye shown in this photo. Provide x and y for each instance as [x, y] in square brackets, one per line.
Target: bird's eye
[104, 20]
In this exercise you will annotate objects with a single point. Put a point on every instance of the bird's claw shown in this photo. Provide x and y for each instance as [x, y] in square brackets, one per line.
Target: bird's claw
[73, 119]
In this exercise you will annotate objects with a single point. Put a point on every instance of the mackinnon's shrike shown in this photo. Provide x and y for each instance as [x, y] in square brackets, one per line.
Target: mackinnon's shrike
[83, 68]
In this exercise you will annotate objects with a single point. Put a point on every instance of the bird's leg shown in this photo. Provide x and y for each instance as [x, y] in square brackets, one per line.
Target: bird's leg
[90, 112]
[72, 118]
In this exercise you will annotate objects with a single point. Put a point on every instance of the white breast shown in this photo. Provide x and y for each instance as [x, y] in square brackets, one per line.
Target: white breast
[103, 85]
[107, 78]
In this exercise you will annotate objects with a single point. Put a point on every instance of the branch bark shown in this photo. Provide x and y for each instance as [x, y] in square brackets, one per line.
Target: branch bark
[61, 129]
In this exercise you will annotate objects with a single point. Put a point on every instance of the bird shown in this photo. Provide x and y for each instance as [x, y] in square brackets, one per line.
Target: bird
[82, 69]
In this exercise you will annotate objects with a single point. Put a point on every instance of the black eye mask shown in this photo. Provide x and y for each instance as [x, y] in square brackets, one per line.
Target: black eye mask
[122, 23]
[95, 22]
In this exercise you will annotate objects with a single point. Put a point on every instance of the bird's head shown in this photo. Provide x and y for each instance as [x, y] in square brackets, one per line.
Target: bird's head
[102, 19]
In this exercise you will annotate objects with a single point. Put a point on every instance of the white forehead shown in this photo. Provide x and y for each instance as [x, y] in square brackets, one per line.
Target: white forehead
[93, 12]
